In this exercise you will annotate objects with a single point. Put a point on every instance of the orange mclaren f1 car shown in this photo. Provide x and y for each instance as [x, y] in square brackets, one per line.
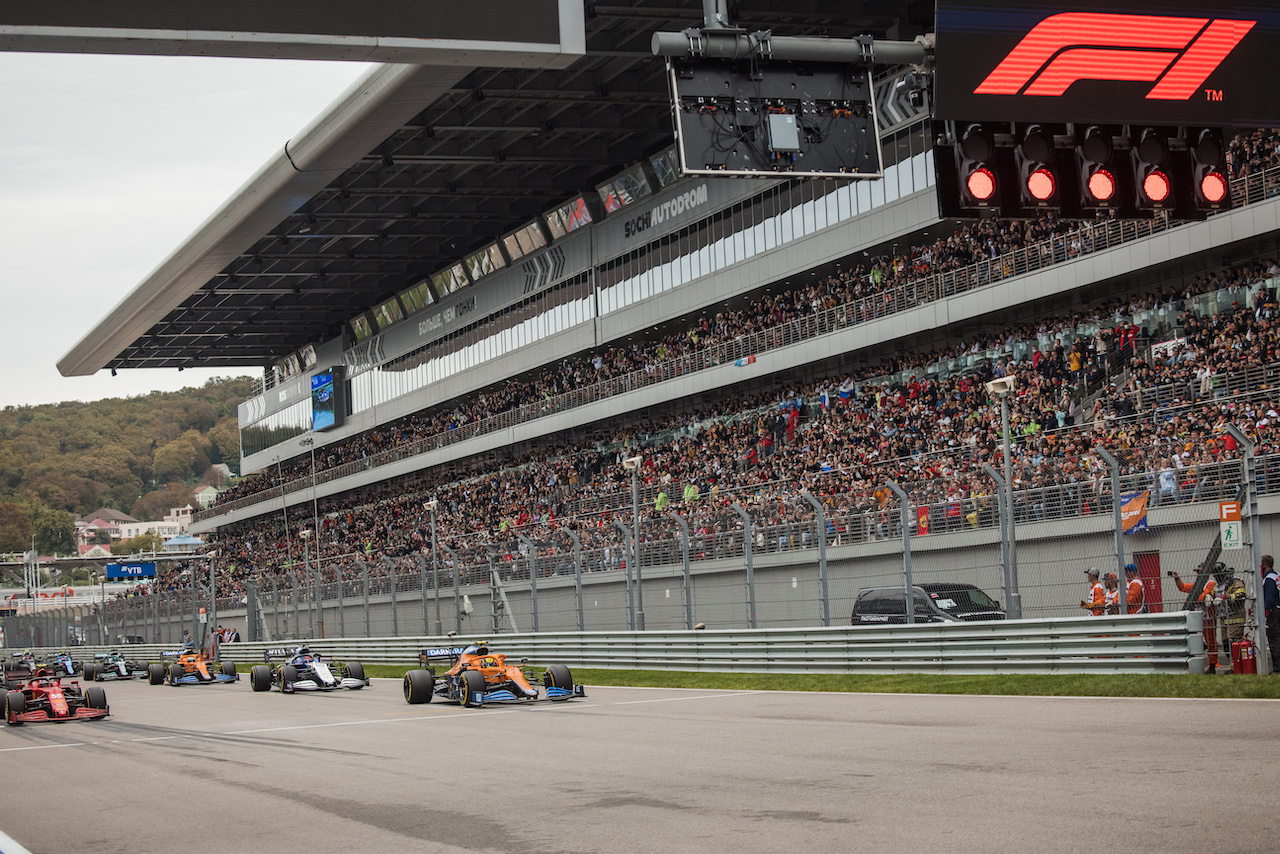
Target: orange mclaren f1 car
[191, 667]
[478, 676]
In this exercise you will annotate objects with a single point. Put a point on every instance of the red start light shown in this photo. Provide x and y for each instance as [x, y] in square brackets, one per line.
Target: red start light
[1041, 185]
[981, 184]
[1213, 187]
[1156, 186]
[1102, 185]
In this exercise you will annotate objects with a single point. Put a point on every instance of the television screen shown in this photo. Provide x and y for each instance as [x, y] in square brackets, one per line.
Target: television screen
[326, 408]
[624, 188]
[667, 167]
[361, 327]
[417, 298]
[388, 313]
[322, 417]
[484, 262]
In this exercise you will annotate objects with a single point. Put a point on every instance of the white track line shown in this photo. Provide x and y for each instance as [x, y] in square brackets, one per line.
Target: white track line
[9, 846]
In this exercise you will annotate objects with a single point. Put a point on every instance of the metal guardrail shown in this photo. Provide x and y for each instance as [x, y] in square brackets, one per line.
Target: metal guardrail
[1147, 643]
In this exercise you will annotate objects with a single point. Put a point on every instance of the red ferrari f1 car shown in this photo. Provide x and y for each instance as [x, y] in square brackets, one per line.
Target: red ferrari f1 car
[45, 698]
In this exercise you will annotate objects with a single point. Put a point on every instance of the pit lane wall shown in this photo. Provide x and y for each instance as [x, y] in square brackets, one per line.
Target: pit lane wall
[1141, 643]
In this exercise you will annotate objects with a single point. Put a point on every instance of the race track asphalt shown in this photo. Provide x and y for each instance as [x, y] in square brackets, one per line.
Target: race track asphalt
[222, 770]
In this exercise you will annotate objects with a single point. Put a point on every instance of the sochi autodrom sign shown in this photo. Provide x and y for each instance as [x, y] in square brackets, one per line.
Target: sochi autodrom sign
[1169, 62]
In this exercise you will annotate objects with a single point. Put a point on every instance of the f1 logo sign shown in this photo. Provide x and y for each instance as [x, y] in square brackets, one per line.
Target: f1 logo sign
[1178, 54]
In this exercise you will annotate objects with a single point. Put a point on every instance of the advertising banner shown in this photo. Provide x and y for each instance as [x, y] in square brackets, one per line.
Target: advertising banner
[1133, 511]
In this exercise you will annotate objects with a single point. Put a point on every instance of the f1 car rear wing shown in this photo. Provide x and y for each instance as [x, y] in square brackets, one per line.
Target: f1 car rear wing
[279, 652]
[439, 653]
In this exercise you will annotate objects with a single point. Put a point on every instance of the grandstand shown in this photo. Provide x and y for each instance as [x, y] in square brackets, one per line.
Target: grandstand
[758, 344]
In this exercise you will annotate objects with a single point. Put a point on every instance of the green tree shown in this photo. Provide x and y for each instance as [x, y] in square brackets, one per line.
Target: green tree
[153, 506]
[55, 532]
[15, 528]
[148, 542]
[225, 439]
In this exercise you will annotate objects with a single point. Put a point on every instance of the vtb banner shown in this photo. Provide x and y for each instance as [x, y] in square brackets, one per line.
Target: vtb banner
[1171, 62]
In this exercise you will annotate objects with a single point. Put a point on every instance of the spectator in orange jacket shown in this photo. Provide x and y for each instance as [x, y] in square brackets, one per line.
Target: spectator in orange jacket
[1205, 600]
[1136, 596]
[1096, 604]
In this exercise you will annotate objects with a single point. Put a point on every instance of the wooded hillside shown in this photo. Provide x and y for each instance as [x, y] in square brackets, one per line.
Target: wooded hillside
[141, 455]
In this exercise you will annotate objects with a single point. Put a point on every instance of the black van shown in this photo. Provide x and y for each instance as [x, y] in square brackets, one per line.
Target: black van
[934, 603]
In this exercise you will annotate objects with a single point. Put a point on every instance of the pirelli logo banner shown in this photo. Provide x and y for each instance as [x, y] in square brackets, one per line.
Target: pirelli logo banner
[1171, 62]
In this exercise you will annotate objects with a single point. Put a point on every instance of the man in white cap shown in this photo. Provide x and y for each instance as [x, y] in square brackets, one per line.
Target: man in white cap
[1096, 604]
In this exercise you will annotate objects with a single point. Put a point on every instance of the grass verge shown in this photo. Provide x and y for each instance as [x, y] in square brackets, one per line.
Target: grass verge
[1033, 685]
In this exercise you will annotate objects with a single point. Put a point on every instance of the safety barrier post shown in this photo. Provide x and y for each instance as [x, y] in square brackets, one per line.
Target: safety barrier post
[1255, 619]
[342, 595]
[395, 607]
[631, 607]
[1010, 594]
[748, 544]
[533, 575]
[684, 557]
[422, 586]
[253, 613]
[275, 608]
[1117, 508]
[820, 519]
[293, 596]
[577, 573]
[364, 576]
[453, 559]
[904, 510]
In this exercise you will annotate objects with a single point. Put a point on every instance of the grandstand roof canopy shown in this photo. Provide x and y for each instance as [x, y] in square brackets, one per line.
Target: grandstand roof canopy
[415, 167]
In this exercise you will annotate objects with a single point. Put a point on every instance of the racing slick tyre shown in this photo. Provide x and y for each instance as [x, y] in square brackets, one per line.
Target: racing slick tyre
[472, 684]
[175, 673]
[155, 674]
[288, 675]
[15, 703]
[558, 676]
[90, 672]
[419, 686]
[260, 677]
[95, 697]
[355, 670]
[228, 668]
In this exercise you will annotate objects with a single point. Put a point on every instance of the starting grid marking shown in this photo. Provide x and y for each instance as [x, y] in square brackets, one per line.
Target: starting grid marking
[391, 717]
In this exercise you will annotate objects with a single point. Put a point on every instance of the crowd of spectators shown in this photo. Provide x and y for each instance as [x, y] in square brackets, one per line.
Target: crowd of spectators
[851, 286]
[841, 437]
[1254, 152]
[930, 431]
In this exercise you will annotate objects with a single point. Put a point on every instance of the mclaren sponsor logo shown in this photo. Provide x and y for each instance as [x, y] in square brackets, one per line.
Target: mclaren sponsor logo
[1177, 54]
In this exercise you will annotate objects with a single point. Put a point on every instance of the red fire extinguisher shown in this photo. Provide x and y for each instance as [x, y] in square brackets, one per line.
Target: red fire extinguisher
[1243, 657]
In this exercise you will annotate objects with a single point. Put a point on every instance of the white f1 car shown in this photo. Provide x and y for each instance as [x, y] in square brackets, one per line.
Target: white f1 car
[304, 670]
[113, 665]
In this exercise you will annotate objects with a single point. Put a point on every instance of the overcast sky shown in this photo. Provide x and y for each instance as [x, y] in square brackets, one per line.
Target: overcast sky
[107, 163]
